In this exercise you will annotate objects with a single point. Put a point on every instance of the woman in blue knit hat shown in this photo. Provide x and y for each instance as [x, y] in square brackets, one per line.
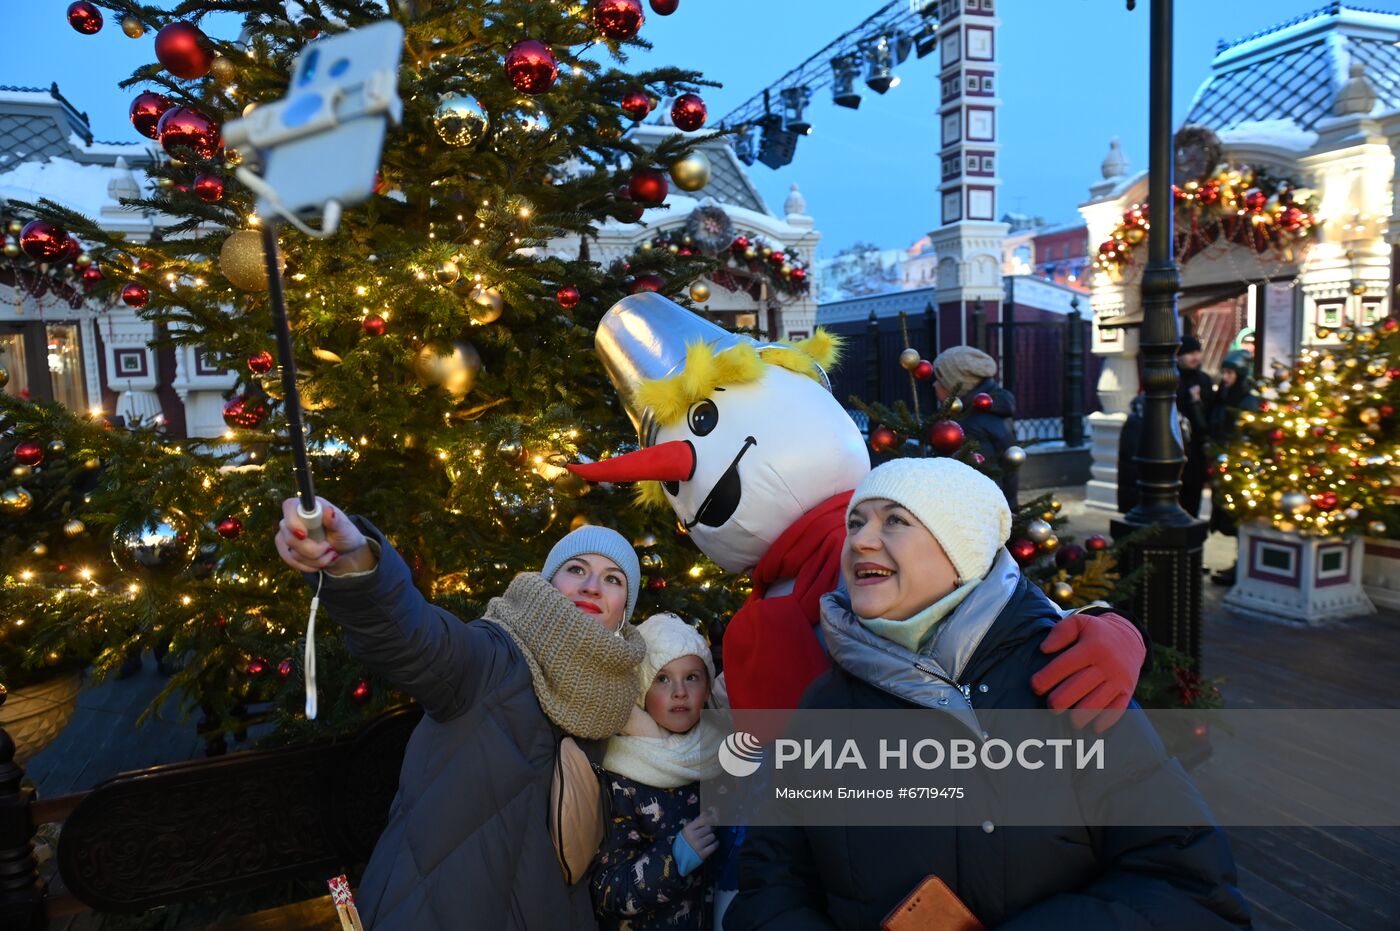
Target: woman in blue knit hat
[468, 843]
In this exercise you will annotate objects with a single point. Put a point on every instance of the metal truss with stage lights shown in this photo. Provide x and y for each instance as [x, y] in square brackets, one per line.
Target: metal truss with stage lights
[873, 50]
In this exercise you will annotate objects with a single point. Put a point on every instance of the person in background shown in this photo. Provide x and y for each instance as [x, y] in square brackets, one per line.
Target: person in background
[1244, 342]
[1194, 394]
[1234, 394]
[963, 372]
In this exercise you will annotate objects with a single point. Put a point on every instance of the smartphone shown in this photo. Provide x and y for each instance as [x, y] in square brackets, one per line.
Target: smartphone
[323, 141]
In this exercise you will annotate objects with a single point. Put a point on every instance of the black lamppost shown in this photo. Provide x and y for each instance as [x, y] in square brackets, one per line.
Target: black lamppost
[1169, 599]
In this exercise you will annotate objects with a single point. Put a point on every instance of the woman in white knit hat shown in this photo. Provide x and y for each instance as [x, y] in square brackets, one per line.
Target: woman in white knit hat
[468, 843]
[934, 613]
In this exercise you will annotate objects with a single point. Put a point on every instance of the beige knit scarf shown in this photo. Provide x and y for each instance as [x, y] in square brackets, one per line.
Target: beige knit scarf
[585, 677]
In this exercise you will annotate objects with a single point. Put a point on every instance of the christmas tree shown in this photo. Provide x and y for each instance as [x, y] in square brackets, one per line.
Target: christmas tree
[1320, 452]
[443, 338]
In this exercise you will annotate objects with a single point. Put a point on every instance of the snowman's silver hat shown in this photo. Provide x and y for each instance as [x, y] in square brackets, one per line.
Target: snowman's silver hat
[645, 337]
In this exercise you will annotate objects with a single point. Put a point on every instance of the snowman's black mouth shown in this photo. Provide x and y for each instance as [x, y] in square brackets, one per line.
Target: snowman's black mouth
[723, 500]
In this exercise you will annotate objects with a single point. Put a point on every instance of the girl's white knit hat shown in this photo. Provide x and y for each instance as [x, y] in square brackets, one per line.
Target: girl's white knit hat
[964, 510]
[669, 638]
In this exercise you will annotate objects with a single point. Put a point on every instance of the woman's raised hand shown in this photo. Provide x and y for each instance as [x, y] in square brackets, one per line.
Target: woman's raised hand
[344, 546]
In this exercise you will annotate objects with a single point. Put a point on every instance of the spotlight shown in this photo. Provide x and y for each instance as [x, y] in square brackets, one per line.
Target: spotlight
[925, 41]
[777, 146]
[844, 71]
[879, 65]
[743, 145]
[795, 100]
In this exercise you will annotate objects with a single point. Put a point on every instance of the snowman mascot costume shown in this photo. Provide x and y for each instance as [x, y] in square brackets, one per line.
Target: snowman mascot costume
[747, 445]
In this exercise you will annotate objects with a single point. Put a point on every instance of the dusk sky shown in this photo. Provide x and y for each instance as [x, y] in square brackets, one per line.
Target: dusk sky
[1073, 75]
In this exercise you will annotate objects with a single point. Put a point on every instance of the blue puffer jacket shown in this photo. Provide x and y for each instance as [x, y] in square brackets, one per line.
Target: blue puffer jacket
[1021, 878]
[467, 844]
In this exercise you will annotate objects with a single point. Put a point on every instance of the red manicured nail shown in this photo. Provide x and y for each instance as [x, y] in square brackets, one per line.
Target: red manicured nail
[335, 557]
[332, 512]
[299, 534]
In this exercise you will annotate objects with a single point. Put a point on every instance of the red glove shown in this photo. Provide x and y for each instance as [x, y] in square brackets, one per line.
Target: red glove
[1097, 675]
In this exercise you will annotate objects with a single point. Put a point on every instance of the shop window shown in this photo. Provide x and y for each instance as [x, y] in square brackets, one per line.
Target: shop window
[45, 362]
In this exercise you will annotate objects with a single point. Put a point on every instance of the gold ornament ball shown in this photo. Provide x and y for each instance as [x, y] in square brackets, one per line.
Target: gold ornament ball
[1376, 528]
[1055, 505]
[1062, 592]
[39, 549]
[571, 485]
[166, 183]
[750, 252]
[909, 359]
[691, 172]
[652, 562]
[699, 292]
[83, 260]
[15, 227]
[1370, 415]
[511, 452]
[92, 464]
[579, 520]
[1295, 503]
[133, 27]
[645, 541]
[16, 501]
[955, 406]
[160, 544]
[1014, 457]
[12, 250]
[460, 119]
[1050, 543]
[453, 366]
[4, 376]
[1135, 235]
[223, 70]
[22, 471]
[74, 528]
[446, 273]
[57, 447]
[486, 305]
[241, 261]
[523, 512]
[1038, 531]
[233, 157]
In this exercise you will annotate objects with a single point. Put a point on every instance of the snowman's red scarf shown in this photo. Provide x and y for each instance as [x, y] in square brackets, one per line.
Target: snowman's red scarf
[771, 650]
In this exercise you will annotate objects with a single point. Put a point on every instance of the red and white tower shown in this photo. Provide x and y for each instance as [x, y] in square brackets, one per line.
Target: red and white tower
[969, 240]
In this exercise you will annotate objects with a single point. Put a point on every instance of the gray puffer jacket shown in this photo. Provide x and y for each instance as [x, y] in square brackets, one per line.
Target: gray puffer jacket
[467, 845]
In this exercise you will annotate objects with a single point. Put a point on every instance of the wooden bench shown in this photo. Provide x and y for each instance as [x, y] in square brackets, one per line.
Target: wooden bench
[174, 833]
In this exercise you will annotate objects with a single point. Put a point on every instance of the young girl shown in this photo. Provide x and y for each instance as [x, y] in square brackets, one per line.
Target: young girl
[653, 873]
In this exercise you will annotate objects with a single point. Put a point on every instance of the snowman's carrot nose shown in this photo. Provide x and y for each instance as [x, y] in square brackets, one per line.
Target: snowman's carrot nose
[665, 462]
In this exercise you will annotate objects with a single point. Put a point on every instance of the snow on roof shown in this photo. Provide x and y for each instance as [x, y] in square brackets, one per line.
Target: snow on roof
[1293, 71]
[83, 188]
[1284, 133]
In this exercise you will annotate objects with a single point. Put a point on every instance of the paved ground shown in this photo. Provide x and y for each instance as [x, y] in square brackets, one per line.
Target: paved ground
[1297, 879]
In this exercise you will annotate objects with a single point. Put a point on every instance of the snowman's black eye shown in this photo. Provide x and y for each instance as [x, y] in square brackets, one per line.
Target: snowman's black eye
[704, 417]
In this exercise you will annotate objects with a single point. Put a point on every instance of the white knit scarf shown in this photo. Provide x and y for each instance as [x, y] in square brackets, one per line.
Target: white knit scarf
[646, 753]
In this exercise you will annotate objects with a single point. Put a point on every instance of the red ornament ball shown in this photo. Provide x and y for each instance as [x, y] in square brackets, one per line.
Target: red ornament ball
[1387, 410]
[243, 411]
[946, 437]
[688, 112]
[42, 241]
[260, 363]
[209, 188]
[71, 250]
[187, 128]
[1326, 500]
[924, 370]
[648, 186]
[284, 669]
[257, 666]
[361, 692]
[1392, 373]
[978, 459]
[1096, 544]
[373, 325]
[664, 7]
[1276, 436]
[221, 621]
[883, 439]
[646, 283]
[229, 528]
[92, 274]
[146, 111]
[84, 17]
[799, 274]
[656, 584]
[618, 19]
[531, 66]
[740, 244]
[1390, 324]
[184, 50]
[568, 297]
[776, 257]
[135, 295]
[982, 401]
[636, 105]
[1209, 193]
[29, 453]
[1023, 551]
[1255, 199]
[1071, 557]
[1291, 219]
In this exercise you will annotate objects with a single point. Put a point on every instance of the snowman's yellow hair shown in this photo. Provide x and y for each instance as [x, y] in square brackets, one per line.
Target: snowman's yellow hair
[668, 399]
